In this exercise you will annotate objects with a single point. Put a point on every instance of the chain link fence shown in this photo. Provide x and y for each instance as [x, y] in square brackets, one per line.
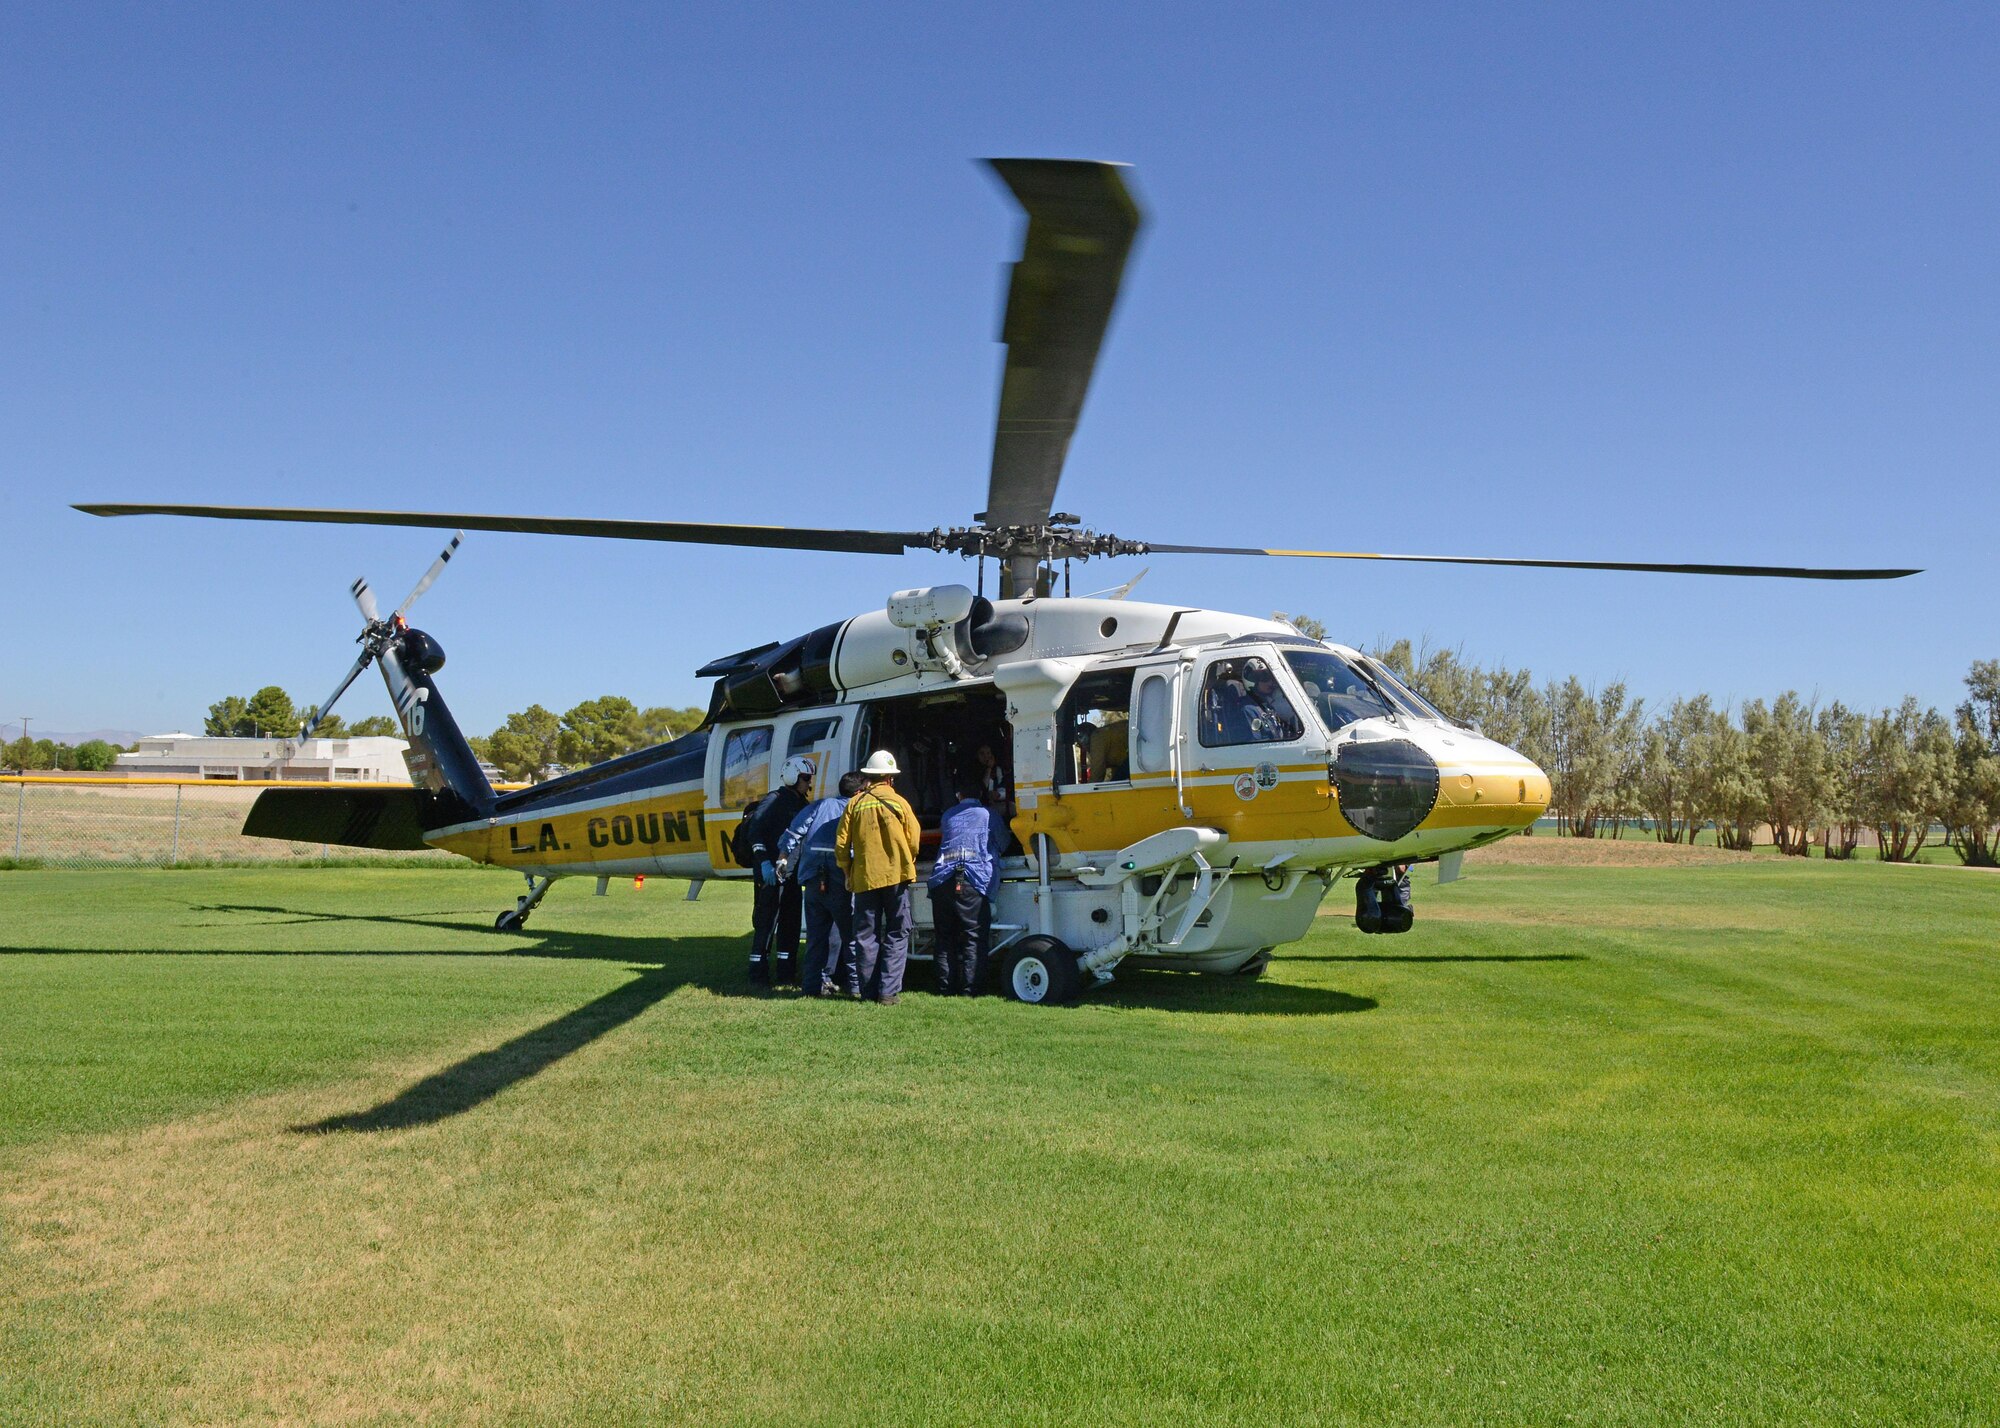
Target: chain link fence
[99, 823]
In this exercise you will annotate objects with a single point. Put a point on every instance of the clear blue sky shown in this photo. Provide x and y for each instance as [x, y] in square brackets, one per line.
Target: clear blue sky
[1672, 283]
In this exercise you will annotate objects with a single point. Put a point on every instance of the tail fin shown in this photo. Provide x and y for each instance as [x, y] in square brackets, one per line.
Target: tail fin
[441, 762]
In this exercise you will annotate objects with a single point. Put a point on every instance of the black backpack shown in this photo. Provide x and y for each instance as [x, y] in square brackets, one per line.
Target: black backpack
[742, 842]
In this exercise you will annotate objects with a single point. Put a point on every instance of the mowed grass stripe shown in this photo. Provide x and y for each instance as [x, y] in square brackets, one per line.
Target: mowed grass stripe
[1526, 1164]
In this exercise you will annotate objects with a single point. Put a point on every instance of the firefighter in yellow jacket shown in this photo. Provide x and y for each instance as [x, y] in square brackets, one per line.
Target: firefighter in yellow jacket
[876, 848]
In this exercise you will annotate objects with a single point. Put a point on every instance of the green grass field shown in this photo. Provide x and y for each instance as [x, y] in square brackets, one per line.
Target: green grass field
[1710, 1143]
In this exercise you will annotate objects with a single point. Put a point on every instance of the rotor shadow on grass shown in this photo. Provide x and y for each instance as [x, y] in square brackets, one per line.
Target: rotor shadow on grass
[703, 962]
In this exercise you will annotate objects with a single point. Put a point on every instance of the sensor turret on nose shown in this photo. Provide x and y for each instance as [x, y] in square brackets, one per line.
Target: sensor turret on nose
[1386, 787]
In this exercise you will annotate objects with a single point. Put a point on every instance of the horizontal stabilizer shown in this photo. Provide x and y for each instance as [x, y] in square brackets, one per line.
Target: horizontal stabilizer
[384, 818]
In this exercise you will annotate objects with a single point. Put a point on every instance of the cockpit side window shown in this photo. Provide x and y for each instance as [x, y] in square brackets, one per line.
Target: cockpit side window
[1094, 729]
[1335, 689]
[1241, 703]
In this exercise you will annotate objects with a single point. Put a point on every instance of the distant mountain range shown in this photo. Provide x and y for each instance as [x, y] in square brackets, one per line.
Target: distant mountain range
[120, 737]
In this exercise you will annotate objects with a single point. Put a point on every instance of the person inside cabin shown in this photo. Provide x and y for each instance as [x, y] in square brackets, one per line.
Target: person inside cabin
[1252, 709]
[1109, 757]
[961, 886]
[875, 848]
[993, 780]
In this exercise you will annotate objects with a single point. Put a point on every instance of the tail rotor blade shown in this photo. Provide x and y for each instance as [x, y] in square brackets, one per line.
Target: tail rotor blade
[364, 599]
[431, 575]
[319, 714]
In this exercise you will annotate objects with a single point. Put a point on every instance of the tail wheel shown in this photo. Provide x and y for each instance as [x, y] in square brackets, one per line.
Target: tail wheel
[509, 922]
[1039, 971]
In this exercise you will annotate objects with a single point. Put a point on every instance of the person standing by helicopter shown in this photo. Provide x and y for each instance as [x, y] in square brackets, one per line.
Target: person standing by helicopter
[876, 851]
[774, 914]
[807, 853]
[960, 883]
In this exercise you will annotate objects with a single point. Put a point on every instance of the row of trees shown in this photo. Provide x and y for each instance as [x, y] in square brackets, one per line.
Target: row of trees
[1810, 773]
[37, 755]
[530, 746]
[535, 742]
[271, 714]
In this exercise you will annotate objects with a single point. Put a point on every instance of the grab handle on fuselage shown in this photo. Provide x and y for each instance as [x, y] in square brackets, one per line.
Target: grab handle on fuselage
[1179, 733]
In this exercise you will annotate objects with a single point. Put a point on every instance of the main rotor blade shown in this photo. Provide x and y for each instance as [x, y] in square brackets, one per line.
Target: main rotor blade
[431, 575]
[1786, 572]
[320, 713]
[1081, 222]
[773, 537]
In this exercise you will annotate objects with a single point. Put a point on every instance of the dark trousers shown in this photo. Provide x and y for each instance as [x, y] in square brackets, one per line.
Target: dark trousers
[829, 962]
[961, 918]
[881, 940]
[774, 933]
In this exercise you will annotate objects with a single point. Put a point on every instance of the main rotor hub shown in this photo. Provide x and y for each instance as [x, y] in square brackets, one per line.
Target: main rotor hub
[1049, 542]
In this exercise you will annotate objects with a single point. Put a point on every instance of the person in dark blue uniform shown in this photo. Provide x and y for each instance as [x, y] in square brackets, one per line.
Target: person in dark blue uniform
[774, 914]
[961, 884]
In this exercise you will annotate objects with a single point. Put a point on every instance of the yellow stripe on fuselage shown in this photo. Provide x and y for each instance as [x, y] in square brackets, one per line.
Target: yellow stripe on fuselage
[651, 823]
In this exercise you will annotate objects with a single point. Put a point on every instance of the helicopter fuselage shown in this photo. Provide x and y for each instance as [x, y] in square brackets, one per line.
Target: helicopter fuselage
[1181, 786]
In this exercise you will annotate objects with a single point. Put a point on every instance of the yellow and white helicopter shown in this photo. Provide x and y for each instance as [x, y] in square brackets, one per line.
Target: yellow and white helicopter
[1183, 786]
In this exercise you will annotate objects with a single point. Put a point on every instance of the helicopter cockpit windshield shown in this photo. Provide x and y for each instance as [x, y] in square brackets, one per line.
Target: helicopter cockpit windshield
[1337, 692]
[1406, 698]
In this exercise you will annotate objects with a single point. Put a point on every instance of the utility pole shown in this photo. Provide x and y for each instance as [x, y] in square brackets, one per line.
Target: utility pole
[26, 747]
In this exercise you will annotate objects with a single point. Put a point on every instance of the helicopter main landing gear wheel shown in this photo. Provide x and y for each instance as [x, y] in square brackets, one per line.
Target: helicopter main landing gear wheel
[1039, 971]
[517, 918]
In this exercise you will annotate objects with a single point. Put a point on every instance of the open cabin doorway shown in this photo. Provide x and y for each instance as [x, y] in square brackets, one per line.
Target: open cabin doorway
[936, 736]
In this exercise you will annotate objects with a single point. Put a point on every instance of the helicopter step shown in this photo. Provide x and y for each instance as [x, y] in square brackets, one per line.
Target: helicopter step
[514, 920]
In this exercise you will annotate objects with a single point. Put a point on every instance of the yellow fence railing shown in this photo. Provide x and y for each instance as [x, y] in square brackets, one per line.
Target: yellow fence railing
[69, 822]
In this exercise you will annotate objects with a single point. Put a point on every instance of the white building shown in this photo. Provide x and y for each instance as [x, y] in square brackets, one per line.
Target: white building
[370, 760]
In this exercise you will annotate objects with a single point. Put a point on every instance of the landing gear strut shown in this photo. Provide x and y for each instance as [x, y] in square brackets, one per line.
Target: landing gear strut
[523, 905]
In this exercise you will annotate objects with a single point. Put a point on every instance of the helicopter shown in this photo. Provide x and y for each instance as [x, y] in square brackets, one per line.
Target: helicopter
[1182, 787]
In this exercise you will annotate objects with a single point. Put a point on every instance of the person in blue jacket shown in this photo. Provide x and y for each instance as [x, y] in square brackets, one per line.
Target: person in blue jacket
[961, 884]
[805, 850]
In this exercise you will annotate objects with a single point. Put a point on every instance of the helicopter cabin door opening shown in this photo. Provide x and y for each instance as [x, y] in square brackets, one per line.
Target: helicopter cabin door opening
[934, 734]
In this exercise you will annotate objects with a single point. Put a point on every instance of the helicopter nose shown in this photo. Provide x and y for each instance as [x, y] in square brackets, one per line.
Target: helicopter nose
[1386, 787]
[1497, 793]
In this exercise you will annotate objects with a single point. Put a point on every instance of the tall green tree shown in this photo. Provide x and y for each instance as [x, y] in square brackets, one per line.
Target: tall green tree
[95, 756]
[1667, 768]
[599, 729]
[663, 724]
[375, 726]
[1594, 745]
[1844, 734]
[1725, 784]
[272, 715]
[524, 749]
[1788, 758]
[1910, 762]
[228, 718]
[1972, 813]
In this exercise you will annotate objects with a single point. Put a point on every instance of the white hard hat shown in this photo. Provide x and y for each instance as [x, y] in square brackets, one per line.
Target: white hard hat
[881, 764]
[798, 766]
